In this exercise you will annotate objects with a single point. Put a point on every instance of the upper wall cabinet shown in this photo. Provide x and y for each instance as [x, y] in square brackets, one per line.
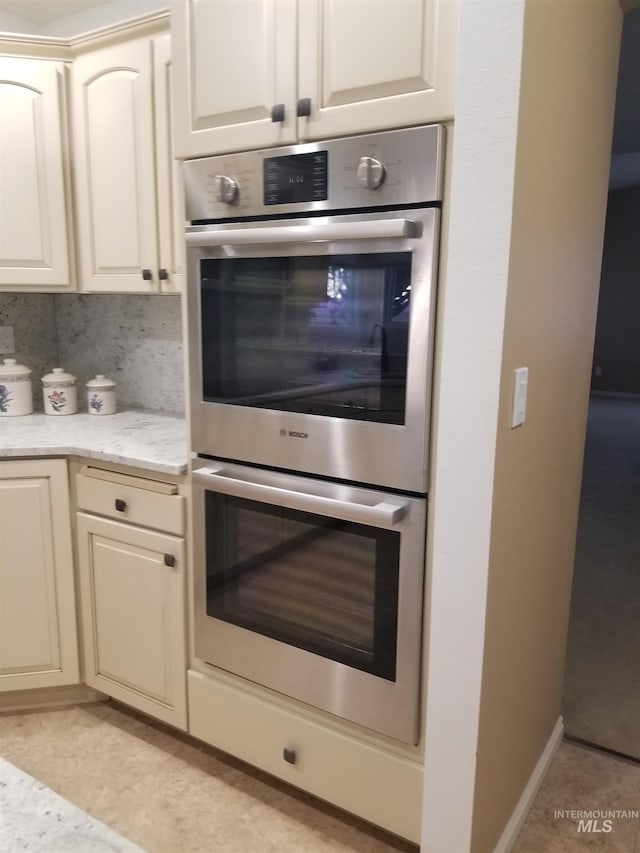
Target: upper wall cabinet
[271, 72]
[35, 216]
[234, 72]
[169, 191]
[125, 187]
[369, 66]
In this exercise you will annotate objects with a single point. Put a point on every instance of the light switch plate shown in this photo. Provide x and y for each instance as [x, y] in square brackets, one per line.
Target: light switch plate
[520, 387]
[7, 340]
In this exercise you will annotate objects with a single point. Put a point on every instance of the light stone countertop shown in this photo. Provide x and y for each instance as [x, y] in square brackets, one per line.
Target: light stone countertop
[35, 818]
[143, 439]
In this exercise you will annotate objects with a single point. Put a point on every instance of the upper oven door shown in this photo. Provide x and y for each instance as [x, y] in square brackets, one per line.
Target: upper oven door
[311, 344]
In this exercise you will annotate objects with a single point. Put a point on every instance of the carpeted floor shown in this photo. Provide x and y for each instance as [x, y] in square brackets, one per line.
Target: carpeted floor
[602, 685]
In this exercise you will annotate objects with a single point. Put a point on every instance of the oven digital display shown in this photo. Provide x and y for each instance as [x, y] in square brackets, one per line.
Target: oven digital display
[295, 178]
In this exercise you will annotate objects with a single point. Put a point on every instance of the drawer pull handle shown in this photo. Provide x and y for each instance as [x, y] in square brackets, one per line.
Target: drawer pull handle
[303, 107]
[277, 112]
[121, 505]
[163, 274]
[147, 275]
[169, 560]
[289, 755]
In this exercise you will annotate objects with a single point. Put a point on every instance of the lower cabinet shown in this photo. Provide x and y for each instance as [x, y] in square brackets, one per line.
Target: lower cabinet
[132, 587]
[379, 785]
[38, 637]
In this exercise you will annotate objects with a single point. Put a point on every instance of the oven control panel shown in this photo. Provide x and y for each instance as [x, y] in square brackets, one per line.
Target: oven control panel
[295, 178]
[396, 167]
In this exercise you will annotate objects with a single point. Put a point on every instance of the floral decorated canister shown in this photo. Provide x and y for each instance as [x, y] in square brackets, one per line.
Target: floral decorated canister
[59, 392]
[15, 389]
[101, 396]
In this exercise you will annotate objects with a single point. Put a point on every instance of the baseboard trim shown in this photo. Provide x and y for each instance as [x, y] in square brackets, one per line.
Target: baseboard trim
[49, 697]
[519, 815]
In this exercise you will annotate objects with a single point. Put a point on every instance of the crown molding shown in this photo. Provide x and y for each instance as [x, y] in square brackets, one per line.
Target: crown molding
[42, 47]
[50, 47]
[143, 25]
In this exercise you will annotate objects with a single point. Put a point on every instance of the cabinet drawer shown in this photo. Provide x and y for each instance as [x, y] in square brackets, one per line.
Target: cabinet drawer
[351, 774]
[132, 504]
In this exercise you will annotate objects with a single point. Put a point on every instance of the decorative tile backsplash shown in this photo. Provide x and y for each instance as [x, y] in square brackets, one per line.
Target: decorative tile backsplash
[134, 340]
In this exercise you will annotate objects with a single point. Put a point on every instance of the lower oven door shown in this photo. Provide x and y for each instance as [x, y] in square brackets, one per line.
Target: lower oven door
[312, 589]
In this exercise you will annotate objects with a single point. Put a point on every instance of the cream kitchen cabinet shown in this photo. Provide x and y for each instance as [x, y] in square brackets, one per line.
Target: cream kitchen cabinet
[35, 195]
[271, 72]
[126, 188]
[334, 764]
[132, 581]
[38, 637]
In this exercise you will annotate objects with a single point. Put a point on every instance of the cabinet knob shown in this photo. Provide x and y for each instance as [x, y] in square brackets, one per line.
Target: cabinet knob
[147, 275]
[121, 505]
[169, 560]
[289, 755]
[277, 112]
[163, 274]
[303, 107]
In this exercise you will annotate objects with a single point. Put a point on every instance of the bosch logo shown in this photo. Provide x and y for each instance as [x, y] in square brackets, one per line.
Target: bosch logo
[283, 432]
[293, 433]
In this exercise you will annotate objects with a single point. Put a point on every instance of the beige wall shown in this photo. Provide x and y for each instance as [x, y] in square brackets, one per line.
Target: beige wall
[617, 348]
[569, 71]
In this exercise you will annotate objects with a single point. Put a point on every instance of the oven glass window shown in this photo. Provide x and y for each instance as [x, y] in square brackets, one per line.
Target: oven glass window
[321, 584]
[319, 335]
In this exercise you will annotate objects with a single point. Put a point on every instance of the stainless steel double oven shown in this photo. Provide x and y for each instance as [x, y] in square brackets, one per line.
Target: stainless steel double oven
[311, 291]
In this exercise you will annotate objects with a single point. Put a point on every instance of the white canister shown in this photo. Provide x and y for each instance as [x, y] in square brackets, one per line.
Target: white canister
[59, 392]
[101, 396]
[15, 389]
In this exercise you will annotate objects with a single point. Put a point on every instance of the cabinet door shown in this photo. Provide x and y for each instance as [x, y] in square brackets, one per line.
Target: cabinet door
[34, 191]
[115, 168]
[133, 616]
[373, 65]
[38, 640]
[170, 195]
[234, 61]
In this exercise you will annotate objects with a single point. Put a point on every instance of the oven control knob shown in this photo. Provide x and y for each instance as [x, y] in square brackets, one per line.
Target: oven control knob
[370, 173]
[225, 189]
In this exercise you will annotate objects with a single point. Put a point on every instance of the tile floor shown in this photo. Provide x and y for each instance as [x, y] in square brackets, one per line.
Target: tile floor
[168, 793]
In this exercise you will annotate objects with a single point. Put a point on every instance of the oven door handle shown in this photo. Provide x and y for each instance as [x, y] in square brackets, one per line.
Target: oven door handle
[375, 229]
[382, 514]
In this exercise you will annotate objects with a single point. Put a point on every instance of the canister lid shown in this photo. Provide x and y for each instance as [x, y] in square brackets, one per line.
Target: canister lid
[101, 383]
[58, 375]
[11, 369]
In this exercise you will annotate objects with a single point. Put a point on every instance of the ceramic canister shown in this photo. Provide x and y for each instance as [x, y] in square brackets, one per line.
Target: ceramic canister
[59, 392]
[15, 388]
[101, 396]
